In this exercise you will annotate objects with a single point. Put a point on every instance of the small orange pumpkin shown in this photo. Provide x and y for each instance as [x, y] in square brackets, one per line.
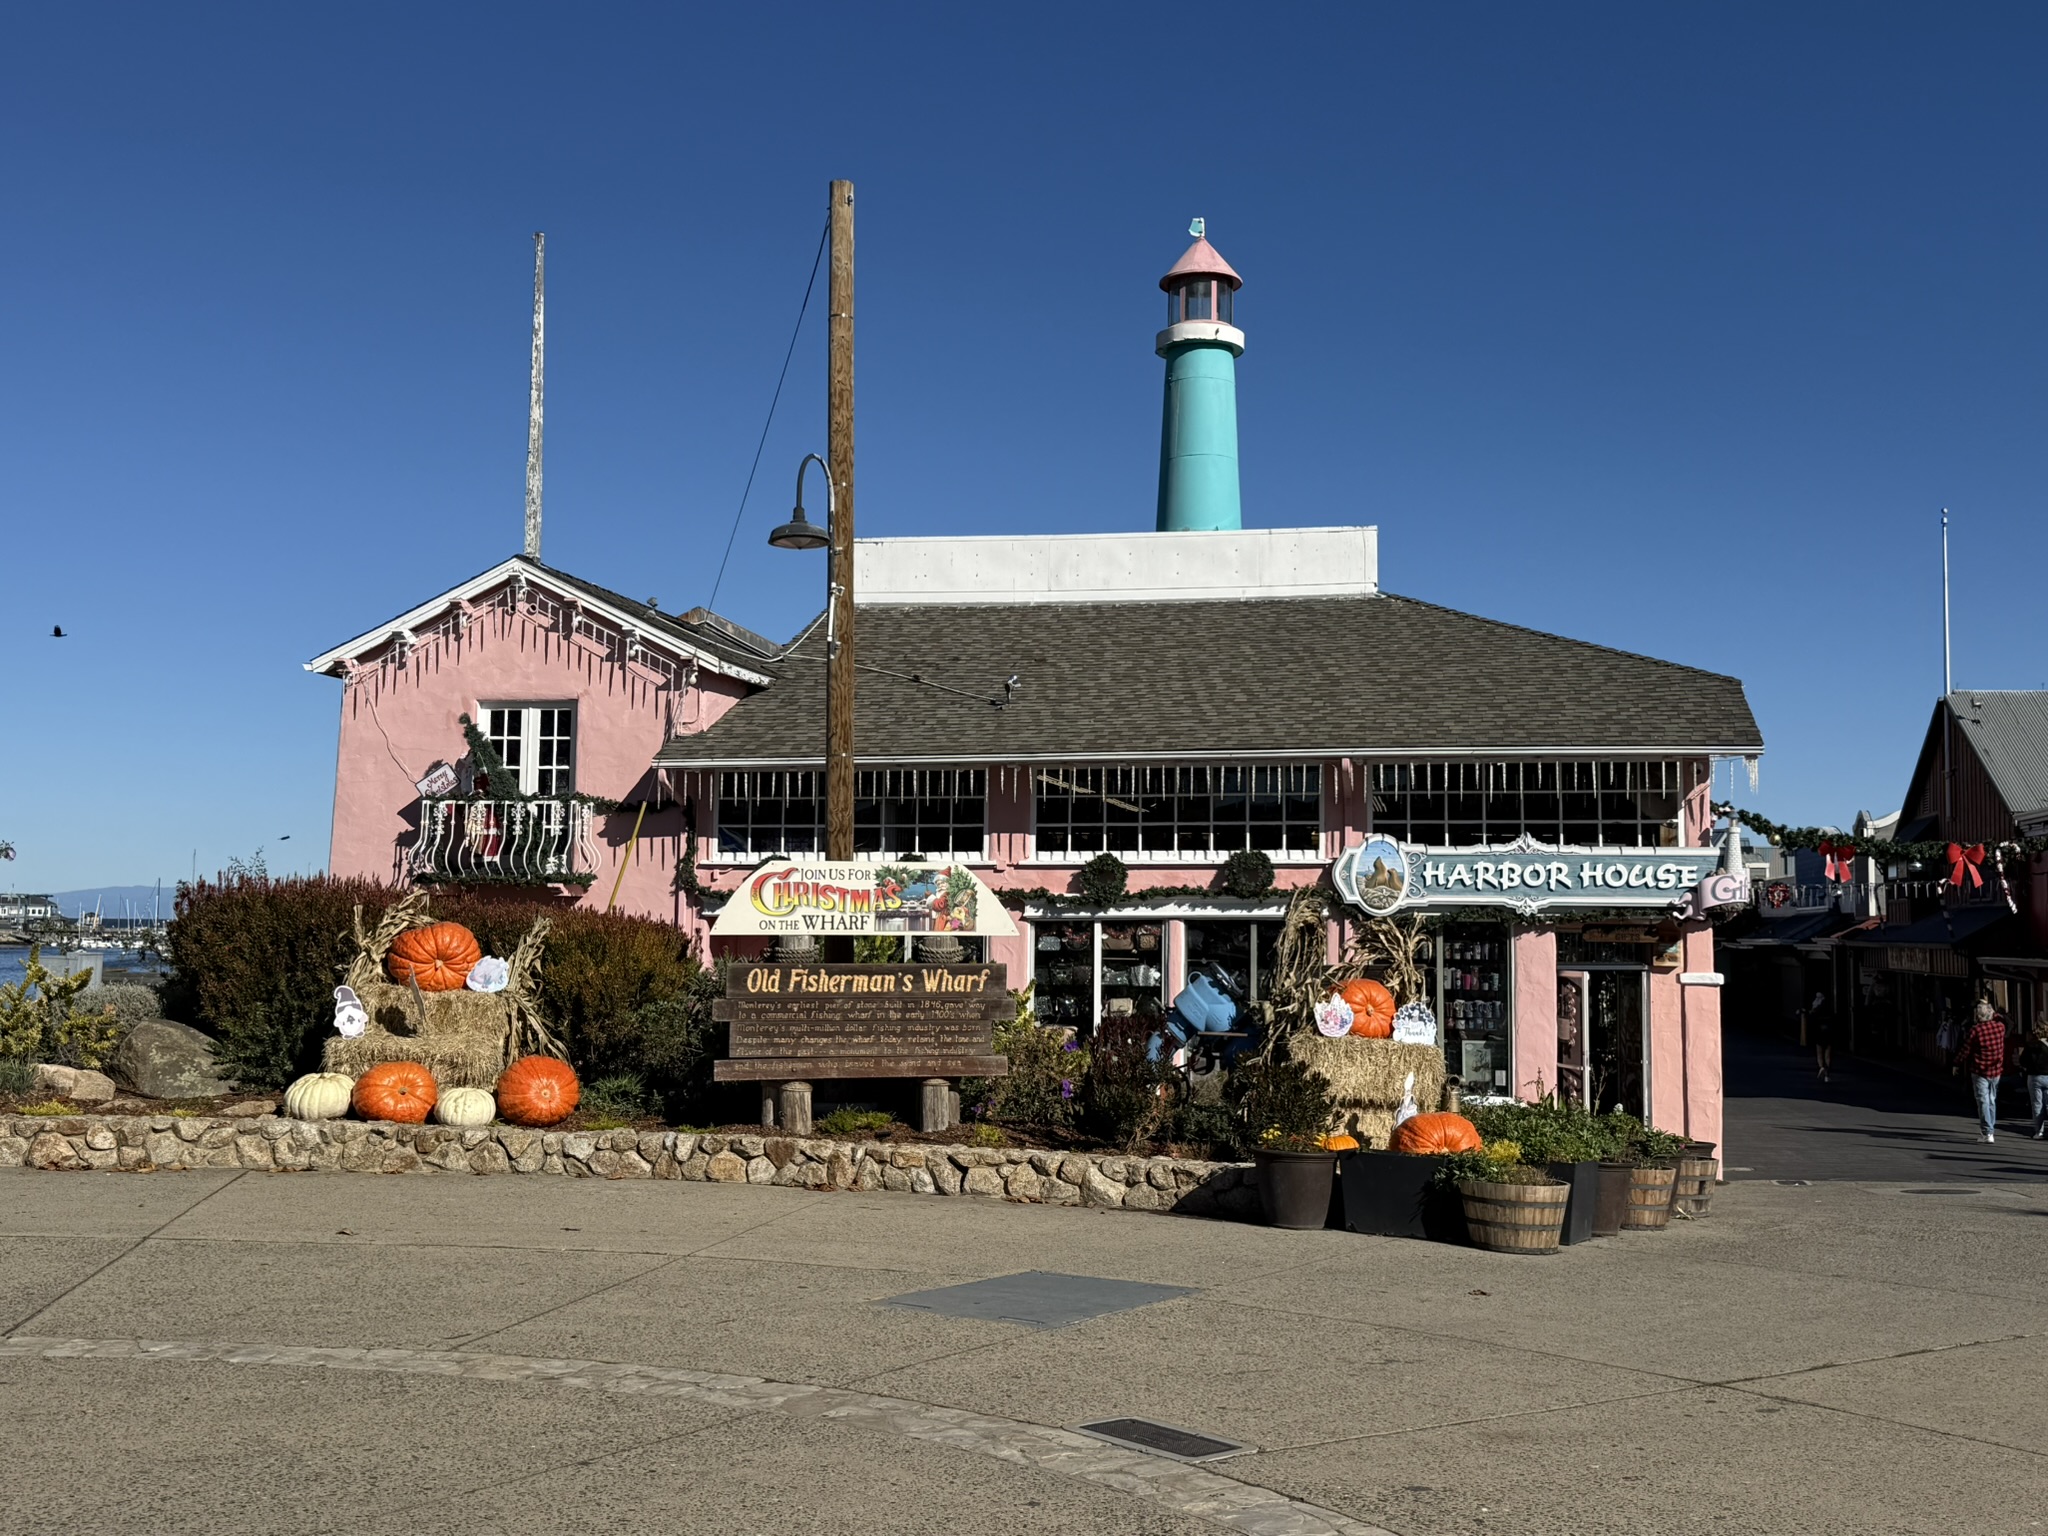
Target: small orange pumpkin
[1340, 1143]
[396, 1090]
[538, 1090]
[1372, 1009]
[439, 957]
[1438, 1132]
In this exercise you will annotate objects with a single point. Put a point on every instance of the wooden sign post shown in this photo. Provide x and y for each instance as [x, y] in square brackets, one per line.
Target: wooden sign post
[792, 1023]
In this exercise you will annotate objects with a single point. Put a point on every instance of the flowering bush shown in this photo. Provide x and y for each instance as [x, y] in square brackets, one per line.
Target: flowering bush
[1046, 1069]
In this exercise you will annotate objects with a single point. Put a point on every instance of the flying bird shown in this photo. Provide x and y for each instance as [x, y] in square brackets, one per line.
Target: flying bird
[56, 631]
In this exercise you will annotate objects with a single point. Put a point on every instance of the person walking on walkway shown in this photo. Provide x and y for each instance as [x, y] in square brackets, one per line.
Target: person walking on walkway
[1983, 1052]
[1820, 1019]
[2034, 1062]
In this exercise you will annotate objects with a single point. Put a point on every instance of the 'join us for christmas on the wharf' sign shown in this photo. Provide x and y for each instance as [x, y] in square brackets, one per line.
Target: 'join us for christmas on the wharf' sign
[1384, 876]
[799, 896]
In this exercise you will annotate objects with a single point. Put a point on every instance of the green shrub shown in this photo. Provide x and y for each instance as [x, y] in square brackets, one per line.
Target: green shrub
[847, 1123]
[1281, 1106]
[1124, 1088]
[1047, 1066]
[17, 1077]
[255, 963]
[1550, 1131]
[131, 1003]
[617, 1100]
[43, 1018]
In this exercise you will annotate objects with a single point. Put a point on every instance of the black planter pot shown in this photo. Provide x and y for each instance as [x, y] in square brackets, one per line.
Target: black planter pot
[1395, 1194]
[1610, 1207]
[1583, 1180]
[1294, 1187]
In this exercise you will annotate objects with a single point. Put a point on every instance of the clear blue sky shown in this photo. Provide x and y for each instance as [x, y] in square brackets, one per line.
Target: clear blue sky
[1665, 327]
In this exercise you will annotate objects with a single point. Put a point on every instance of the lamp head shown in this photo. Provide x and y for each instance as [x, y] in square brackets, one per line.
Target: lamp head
[799, 533]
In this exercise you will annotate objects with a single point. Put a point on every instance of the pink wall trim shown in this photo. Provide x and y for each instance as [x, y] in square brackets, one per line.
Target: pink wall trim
[1534, 1025]
[1702, 1017]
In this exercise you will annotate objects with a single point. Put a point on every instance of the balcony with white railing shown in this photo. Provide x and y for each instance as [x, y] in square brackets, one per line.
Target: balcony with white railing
[504, 842]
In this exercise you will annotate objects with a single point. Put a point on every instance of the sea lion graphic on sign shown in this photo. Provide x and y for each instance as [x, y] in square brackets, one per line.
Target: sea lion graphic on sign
[1380, 872]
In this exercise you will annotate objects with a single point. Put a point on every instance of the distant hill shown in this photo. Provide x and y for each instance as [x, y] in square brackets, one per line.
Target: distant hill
[110, 897]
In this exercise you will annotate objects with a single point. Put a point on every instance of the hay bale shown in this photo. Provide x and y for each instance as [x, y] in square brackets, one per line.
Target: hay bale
[1367, 1078]
[464, 1038]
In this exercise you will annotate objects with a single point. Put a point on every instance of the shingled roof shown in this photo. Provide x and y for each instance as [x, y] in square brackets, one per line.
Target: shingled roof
[1291, 677]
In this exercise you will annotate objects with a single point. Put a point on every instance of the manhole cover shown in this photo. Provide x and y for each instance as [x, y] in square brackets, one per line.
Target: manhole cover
[1950, 1191]
[1163, 1439]
[1038, 1298]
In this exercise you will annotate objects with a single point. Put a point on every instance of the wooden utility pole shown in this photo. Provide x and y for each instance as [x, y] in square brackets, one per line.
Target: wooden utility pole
[839, 449]
[535, 392]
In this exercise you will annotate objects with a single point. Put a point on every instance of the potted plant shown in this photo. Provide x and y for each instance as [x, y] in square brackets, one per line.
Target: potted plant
[1283, 1119]
[1652, 1159]
[1570, 1143]
[1510, 1207]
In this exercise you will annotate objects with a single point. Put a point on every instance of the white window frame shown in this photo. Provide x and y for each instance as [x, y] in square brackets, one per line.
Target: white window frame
[770, 783]
[529, 766]
[1281, 857]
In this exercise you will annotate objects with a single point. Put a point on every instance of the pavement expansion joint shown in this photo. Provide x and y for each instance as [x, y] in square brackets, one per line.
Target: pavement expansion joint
[1191, 1490]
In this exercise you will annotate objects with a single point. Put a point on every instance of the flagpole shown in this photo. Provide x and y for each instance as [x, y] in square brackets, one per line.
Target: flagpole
[1948, 684]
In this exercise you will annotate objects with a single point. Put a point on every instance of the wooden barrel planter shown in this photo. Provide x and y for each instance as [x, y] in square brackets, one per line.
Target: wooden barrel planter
[1649, 1199]
[1693, 1190]
[1514, 1218]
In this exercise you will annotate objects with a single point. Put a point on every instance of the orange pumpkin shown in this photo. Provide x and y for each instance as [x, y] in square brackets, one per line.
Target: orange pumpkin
[439, 956]
[1440, 1132]
[396, 1090]
[1372, 1009]
[1340, 1143]
[538, 1090]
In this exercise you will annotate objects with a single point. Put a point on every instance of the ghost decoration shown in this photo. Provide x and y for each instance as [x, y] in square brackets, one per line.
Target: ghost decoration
[489, 974]
[351, 1018]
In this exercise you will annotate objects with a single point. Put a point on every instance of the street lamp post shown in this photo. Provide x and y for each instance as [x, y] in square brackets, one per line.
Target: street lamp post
[800, 533]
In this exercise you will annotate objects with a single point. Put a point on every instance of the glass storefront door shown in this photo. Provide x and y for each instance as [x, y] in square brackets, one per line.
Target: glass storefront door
[1617, 1043]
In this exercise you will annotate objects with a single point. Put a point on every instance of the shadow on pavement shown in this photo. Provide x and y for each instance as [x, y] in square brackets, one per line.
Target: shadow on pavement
[1867, 1122]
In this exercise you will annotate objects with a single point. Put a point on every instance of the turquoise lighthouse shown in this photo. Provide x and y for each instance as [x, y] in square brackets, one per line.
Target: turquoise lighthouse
[1198, 440]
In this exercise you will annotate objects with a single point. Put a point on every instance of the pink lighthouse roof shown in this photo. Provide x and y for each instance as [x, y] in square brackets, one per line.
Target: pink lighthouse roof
[1202, 260]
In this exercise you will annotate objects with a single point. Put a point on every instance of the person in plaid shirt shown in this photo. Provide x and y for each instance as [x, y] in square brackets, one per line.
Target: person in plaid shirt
[1983, 1052]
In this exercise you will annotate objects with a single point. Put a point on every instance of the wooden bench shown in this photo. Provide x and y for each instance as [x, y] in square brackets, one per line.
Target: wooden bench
[795, 1024]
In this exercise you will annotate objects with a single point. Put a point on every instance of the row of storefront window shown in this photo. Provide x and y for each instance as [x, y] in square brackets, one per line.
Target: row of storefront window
[1088, 974]
[1187, 812]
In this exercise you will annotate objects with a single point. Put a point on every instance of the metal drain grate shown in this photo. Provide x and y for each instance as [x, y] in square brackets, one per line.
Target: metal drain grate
[1163, 1439]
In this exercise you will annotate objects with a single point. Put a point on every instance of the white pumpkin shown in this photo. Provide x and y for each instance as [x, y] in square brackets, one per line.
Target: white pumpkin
[319, 1096]
[466, 1106]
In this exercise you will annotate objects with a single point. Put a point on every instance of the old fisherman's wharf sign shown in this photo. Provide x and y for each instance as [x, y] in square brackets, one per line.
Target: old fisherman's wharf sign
[799, 896]
[1381, 876]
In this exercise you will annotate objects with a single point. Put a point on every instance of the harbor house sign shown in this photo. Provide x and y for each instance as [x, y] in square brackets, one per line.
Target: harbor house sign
[1384, 876]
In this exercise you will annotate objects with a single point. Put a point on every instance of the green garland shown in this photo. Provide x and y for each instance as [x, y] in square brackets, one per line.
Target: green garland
[1882, 849]
[493, 768]
[686, 881]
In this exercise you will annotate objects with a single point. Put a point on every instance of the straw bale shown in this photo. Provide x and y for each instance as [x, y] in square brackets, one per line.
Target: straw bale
[1367, 1078]
[464, 1038]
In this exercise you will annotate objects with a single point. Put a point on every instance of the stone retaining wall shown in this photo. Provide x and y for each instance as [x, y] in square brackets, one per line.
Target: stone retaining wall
[139, 1143]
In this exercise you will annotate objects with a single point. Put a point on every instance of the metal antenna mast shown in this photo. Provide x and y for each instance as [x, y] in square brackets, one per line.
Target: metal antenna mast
[535, 392]
[1948, 683]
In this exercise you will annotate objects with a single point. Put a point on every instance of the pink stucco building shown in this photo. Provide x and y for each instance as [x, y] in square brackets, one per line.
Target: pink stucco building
[1025, 703]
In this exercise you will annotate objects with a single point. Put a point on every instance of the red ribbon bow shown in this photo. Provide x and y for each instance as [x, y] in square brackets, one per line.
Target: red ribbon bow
[1963, 861]
[1832, 851]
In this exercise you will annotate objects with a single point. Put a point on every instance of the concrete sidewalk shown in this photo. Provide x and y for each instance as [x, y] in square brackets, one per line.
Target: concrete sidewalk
[1840, 1357]
[1868, 1121]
